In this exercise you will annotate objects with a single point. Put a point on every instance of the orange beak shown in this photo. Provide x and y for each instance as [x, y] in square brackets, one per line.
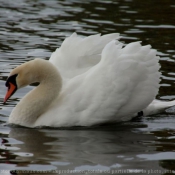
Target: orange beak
[11, 90]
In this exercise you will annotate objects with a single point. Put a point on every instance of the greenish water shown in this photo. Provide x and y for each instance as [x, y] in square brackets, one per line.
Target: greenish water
[35, 28]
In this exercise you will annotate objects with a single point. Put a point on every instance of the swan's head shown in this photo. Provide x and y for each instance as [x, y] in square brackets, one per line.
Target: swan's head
[25, 74]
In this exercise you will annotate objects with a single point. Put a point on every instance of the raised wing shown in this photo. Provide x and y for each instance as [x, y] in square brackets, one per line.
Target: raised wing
[77, 54]
[124, 82]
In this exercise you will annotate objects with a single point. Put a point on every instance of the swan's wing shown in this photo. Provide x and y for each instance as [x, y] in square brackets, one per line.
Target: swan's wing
[77, 54]
[123, 83]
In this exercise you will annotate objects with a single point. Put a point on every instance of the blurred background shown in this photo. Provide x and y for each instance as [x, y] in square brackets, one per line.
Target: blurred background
[35, 28]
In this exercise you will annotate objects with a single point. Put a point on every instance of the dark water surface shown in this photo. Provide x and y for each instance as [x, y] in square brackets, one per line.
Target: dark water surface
[35, 28]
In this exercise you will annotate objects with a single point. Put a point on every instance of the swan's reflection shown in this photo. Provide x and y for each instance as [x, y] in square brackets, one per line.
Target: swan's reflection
[104, 147]
[99, 148]
[33, 143]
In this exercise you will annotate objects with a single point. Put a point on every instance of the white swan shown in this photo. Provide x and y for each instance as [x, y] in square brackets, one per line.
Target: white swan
[99, 80]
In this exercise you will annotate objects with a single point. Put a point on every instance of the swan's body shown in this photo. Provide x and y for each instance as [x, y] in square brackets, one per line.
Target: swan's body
[99, 80]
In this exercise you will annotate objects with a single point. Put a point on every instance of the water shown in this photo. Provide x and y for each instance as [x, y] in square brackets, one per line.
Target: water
[30, 29]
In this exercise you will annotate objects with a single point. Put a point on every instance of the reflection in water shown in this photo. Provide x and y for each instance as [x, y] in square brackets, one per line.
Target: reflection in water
[120, 146]
[35, 29]
[165, 144]
[33, 143]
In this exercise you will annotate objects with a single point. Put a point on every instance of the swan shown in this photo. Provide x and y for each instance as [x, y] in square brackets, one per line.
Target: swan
[87, 81]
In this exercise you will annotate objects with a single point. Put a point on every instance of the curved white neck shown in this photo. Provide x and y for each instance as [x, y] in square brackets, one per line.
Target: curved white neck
[39, 99]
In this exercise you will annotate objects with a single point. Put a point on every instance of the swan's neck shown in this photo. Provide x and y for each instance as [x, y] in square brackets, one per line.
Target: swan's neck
[36, 102]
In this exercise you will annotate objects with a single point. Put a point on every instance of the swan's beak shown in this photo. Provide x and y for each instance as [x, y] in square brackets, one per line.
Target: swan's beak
[12, 87]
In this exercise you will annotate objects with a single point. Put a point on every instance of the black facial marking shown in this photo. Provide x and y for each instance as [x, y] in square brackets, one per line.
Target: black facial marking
[11, 79]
